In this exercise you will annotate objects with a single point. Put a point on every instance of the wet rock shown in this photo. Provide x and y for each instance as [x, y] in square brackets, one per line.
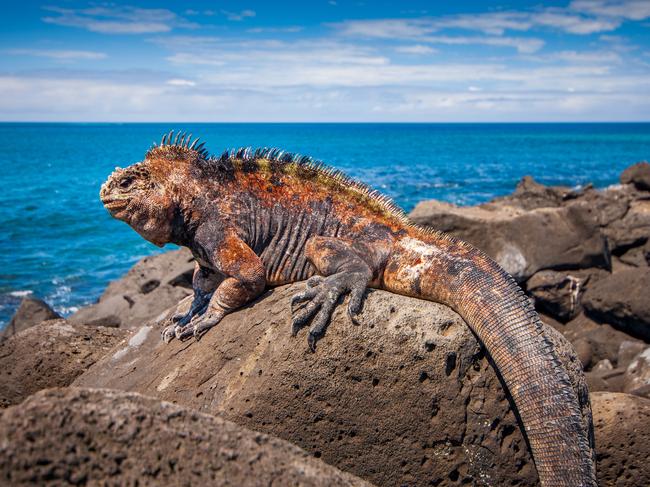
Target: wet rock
[637, 375]
[556, 293]
[30, 312]
[622, 300]
[151, 286]
[622, 430]
[407, 397]
[100, 437]
[50, 354]
[522, 242]
[638, 175]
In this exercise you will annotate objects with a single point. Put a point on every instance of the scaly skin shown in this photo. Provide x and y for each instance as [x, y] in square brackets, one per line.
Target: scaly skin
[265, 218]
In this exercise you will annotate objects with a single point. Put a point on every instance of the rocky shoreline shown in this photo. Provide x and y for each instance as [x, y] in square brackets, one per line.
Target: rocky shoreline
[406, 398]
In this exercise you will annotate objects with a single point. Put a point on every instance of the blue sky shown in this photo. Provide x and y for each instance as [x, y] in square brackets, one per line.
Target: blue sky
[320, 60]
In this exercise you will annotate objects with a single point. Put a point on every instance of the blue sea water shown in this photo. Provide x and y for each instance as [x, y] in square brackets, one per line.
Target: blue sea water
[57, 241]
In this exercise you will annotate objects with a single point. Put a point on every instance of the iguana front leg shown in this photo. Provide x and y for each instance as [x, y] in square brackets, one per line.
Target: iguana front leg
[245, 280]
[345, 272]
[204, 282]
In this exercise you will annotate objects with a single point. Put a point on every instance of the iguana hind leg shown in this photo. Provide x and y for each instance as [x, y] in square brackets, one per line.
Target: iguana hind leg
[344, 271]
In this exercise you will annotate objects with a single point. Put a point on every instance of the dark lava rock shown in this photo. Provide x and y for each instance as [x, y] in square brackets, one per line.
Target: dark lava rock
[632, 230]
[603, 341]
[100, 437]
[637, 174]
[637, 375]
[556, 293]
[30, 312]
[408, 397]
[50, 354]
[522, 242]
[623, 300]
[151, 286]
[622, 428]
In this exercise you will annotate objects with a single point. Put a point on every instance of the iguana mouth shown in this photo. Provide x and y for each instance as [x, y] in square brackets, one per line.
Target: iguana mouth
[115, 203]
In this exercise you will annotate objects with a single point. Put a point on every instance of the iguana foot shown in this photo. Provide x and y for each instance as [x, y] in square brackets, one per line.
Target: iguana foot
[180, 320]
[200, 325]
[321, 297]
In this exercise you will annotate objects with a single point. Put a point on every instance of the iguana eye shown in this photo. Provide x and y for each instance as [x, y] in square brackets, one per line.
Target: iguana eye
[125, 183]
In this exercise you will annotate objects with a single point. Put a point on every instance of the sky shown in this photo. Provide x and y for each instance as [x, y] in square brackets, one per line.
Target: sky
[325, 61]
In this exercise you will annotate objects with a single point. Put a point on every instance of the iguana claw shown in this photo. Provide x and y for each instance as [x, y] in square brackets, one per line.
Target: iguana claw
[321, 297]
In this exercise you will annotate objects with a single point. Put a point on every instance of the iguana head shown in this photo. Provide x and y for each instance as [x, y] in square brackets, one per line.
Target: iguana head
[146, 195]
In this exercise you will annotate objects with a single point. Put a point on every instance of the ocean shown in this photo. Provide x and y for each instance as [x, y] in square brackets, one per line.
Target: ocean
[58, 243]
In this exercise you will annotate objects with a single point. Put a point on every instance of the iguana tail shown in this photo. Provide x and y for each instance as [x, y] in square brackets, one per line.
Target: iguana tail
[437, 267]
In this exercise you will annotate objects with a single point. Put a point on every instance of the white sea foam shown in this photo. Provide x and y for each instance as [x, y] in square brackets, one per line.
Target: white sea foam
[21, 294]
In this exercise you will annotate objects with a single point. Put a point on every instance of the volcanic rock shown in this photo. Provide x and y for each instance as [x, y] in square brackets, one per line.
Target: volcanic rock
[30, 312]
[622, 430]
[637, 376]
[50, 354]
[623, 300]
[407, 397]
[151, 286]
[556, 293]
[638, 175]
[100, 437]
[522, 242]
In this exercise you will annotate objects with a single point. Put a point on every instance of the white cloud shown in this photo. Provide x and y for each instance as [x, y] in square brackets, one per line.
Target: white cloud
[624, 9]
[114, 19]
[574, 24]
[238, 16]
[291, 28]
[180, 82]
[416, 49]
[48, 98]
[61, 55]
[584, 17]
[521, 44]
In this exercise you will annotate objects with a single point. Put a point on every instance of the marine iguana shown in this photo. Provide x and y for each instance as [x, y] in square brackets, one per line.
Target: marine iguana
[258, 218]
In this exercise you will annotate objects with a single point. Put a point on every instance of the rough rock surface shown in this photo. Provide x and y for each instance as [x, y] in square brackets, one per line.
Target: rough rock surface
[154, 284]
[556, 293]
[623, 300]
[407, 397]
[604, 340]
[630, 231]
[30, 312]
[637, 375]
[637, 174]
[50, 354]
[622, 430]
[522, 242]
[100, 437]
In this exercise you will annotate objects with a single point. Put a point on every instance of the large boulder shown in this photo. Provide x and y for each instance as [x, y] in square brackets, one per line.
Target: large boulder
[622, 430]
[637, 375]
[406, 398]
[31, 312]
[638, 175]
[556, 293]
[632, 230]
[99, 437]
[50, 354]
[152, 285]
[522, 242]
[623, 300]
